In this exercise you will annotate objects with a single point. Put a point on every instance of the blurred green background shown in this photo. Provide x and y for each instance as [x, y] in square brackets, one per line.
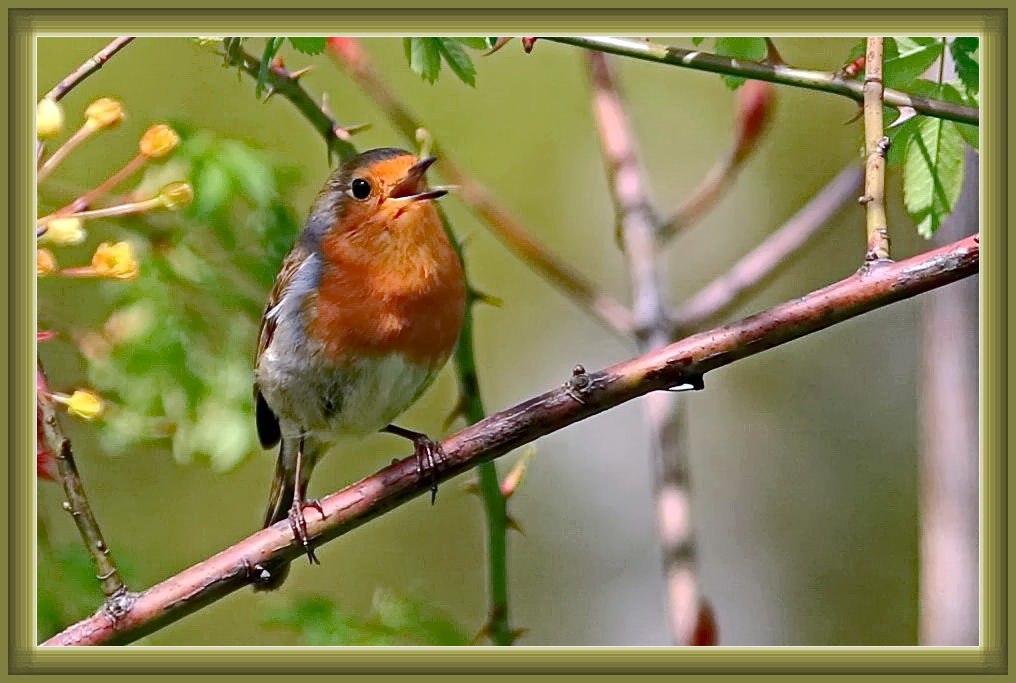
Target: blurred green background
[804, 458]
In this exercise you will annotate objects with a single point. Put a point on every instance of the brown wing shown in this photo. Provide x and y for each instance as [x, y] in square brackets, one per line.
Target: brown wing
[264, 417]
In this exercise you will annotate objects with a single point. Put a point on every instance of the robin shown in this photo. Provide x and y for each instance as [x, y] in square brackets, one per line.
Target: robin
[365, 311]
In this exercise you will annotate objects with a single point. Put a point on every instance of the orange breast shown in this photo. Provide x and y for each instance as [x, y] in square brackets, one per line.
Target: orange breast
[389, 286]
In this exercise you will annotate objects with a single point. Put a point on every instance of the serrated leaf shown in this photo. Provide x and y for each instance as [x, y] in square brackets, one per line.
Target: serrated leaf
[967, 59]
[474, 43]
[309, 46]
[914, 56]
[272, 47]
[752, 48]
[424, 56]
[948, 92]
[458, 60]
[933, 173]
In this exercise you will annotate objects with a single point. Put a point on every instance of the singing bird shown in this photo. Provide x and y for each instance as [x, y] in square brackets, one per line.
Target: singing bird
[365, 311]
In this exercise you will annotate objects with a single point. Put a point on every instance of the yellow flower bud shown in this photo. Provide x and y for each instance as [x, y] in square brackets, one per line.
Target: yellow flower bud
[158, 141]
[177, 195]
[115, 261]
[104, 112]
[85, 404]
[45, 262]
[65, 231]
[48, 118]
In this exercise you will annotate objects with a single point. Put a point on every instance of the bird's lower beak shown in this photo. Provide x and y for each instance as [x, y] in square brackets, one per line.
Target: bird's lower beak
[413, 187]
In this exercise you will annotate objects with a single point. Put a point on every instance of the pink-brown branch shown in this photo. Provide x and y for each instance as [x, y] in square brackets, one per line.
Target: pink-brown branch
[583, 395]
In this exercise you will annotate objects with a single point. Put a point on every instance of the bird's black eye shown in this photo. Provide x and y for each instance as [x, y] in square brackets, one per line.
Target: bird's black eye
[360, 188]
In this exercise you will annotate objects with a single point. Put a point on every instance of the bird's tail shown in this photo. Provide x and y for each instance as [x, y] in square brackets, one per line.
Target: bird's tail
[280, 498]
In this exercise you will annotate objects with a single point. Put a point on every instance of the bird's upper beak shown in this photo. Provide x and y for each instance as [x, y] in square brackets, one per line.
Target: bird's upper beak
[413, 187]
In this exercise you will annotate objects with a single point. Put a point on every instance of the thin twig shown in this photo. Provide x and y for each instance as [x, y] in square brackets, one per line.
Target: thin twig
[614, 315]
[825, 81]
[876, 145]
[85, 200]
[87, 69]
[759, 266]
[77, 501]
[754, 104]
[664, 416]
[679, 363]
[287, 84]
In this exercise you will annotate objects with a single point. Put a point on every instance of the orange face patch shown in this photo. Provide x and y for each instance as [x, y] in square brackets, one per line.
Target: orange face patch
[390, 281]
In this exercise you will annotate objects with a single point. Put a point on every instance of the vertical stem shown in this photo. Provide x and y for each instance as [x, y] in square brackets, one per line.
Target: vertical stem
[875, 147]
[663, 413]
[494, 501]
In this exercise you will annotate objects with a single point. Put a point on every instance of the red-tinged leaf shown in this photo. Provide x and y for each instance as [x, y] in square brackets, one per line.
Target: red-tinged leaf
[44, 335]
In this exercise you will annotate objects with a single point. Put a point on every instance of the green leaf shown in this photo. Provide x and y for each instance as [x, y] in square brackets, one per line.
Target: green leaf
[309, 46]
[949, 92]
[967, 59]
[458, 60]
[271, 49]
[752, 48]
[933, 173]
[697, 41]
[424, 55]
[914, 56]
[475, 43]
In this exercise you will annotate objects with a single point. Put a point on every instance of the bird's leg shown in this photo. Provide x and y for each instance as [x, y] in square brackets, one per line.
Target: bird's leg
[428, 455]
[297, 522]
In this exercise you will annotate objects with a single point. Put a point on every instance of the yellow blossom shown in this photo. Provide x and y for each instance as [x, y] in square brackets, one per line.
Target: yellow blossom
[84, 404]
[158, 141]
[45, 263]
[177, 195]
[48, 118]
[65, 231]
[115, 261]
[104, 112]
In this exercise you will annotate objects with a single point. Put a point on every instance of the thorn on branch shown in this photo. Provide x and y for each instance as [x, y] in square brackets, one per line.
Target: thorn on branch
[579, 384]
[773, 57]
[883, 146]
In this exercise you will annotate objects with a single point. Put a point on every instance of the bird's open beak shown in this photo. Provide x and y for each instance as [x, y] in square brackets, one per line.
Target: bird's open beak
[413, 188]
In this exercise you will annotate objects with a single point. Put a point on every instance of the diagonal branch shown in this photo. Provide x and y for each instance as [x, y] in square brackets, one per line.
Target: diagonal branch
[57, 443]
[88, 68]
[761, 264]
[287, 84]
[824, 81]
[582, 396]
